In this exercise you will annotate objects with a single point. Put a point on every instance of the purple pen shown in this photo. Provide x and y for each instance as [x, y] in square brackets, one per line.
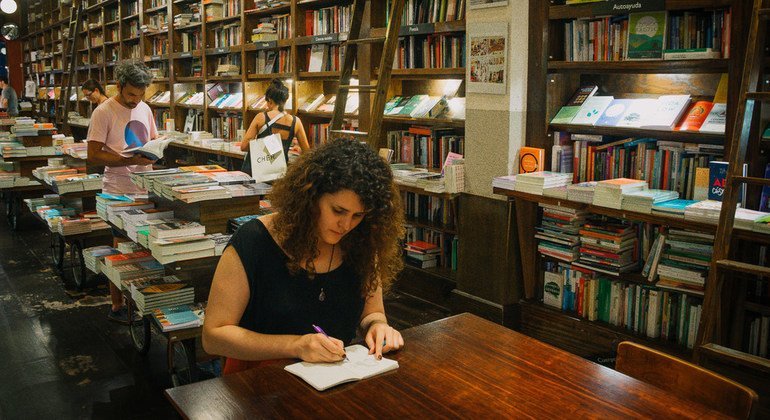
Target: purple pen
[320, 330]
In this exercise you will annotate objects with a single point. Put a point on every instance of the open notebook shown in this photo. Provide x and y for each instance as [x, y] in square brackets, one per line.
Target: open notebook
[360, 365]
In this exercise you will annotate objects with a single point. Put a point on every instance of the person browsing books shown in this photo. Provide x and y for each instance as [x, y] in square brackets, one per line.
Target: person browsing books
[275, 120]
[94, 92]
[119, 123]
[8, 99]
[324, 258]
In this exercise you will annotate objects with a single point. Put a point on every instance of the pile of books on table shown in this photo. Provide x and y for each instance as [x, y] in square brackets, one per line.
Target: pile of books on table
[507, 182]
[158, 293]
[180, 317]
[74, 226]
[536, 182]
[643, 201]
[609, 193]
[94, 256]
[421, 254]
[706, 211]
[120, 267]
[172, 240]
[136, 220]
[582, 192]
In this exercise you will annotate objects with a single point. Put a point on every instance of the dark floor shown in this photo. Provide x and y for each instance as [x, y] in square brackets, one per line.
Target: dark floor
[60, 357]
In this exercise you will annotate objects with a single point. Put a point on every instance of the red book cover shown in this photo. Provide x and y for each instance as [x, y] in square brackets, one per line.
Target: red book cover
[580, 292]
[416, 129]
[666, 165]
[308, 22]
[695, 116]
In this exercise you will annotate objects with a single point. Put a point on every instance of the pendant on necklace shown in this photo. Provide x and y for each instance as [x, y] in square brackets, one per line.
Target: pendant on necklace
[322, 295]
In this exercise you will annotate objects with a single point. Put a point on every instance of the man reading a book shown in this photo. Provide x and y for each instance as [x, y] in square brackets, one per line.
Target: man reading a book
[122, 122]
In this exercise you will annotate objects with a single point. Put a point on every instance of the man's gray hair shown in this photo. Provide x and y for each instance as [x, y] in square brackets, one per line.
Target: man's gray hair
[133, 73]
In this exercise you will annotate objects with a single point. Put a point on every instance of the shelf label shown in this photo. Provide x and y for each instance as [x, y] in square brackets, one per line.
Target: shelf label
[266, 45]
[221, 50]
[419, 29]
[155, 58]
[187, 54]
[615, 7]
[322, 39]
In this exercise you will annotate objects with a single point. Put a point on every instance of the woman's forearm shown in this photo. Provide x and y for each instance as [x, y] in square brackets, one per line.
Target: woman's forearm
[239, 343]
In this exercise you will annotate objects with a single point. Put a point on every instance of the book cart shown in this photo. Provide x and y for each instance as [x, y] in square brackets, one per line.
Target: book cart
[182, 347]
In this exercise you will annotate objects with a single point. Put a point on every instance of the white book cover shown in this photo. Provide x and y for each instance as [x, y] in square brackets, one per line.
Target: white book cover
[360, 365]
[637, 112]
[317, 53]
[669, 109]
[553, 289]
[716, 120]
[591, 110]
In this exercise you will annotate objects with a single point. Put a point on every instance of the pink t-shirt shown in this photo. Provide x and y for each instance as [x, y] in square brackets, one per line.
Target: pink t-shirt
[120, 128]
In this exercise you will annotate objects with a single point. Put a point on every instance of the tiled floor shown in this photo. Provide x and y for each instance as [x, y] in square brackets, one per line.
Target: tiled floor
[60, 357]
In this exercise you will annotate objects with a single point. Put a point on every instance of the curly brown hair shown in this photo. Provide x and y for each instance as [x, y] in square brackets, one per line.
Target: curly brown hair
[373, 246]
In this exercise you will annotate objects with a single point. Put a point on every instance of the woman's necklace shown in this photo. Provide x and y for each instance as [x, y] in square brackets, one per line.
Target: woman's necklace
[322, 295]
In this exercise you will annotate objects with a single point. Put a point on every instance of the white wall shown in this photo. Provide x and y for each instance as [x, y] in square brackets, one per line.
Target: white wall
[495, 124]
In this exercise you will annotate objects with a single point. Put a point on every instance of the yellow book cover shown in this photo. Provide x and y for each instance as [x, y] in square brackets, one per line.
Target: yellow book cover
[720, 96]
[531, 160]
[700, 190]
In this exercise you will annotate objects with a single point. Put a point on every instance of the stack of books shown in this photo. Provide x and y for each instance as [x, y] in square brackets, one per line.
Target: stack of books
[159, 293]
[121, 267]
[642, 201]
[179, 317]
[672, 208]
[74, 226]
[609, 193]
[582, 192]
[608, 246]
[421, 254]
[535, 182]
[559, 232]
[685, 261]
[745, 219]
[94, 256]
[507, 182]
[135, 220]
[220, 242]
[182, 248]
[202, 192]
[706, 211]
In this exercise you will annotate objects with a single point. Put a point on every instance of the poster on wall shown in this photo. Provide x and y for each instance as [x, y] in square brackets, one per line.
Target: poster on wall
[487, 60]
[483, 4]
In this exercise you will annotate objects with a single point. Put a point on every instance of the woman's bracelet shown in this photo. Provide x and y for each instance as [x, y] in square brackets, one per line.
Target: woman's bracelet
[369, 324]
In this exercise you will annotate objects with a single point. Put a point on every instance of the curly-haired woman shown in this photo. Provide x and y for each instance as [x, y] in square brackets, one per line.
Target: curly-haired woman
[324, 258]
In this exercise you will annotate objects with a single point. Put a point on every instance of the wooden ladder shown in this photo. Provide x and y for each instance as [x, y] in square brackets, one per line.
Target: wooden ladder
[380, 89]
[62, 112]
[711, 334]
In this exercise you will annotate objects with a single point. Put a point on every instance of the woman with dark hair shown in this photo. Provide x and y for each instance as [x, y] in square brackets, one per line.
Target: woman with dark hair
[275, 120]
[94, 92]
[324, 258]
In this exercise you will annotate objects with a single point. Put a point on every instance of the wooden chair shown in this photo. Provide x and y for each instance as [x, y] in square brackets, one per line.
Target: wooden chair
[685, 380]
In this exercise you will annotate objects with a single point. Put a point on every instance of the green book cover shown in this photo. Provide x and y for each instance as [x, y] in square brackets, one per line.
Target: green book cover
[646, 35]
[413, 103]
[565, 115]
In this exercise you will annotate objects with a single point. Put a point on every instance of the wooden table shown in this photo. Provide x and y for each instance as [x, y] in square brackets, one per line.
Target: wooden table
[458, 367]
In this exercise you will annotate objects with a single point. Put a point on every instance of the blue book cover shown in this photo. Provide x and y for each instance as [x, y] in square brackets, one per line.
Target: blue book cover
[717, 178]
[674, 206]
[614, 112]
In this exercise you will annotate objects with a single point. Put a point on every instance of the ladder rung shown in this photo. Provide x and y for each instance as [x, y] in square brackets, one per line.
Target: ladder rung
[359, 87]
[742, 267]
[758, 96]
[374, 40]
[349, 133]
[751, 180]
[717, 352]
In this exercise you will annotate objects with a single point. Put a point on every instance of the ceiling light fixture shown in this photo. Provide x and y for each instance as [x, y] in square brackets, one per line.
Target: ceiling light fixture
[8, 6]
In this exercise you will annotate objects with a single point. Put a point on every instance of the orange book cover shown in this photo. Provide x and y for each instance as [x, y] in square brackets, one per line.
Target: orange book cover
[695, 116]
[531, 159]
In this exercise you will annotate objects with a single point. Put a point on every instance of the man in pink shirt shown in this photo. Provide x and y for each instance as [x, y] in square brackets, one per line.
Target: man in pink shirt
[122, 122]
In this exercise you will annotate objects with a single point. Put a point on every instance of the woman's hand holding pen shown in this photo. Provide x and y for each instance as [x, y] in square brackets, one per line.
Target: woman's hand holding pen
[382, 338]
[319, 348]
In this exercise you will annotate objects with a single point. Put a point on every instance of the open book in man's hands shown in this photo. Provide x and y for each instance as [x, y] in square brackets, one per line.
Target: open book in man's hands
[153, 149]
[360, 365]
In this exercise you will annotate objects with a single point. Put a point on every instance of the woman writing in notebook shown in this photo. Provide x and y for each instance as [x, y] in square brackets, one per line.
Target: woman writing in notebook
[275, 121]
[323, 258]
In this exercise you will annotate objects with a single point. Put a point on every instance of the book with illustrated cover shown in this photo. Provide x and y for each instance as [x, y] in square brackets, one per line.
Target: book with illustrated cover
[638, 111]
[646, 35]
[592, 109]
[614, 112]
[359, 365]
[668, 111]
[716, 120]
[695, 116]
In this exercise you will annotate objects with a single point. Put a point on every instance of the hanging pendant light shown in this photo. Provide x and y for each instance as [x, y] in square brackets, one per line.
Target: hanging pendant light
[8, 6]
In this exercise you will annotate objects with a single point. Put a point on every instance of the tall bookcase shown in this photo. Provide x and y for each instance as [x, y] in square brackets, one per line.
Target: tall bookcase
[551, 72]
[187, 55]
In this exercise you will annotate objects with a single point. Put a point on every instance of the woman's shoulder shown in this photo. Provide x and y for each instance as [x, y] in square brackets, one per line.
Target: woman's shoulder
[255, 232]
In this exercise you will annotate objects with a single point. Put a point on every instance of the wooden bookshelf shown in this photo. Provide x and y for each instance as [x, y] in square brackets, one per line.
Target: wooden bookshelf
[559, 79]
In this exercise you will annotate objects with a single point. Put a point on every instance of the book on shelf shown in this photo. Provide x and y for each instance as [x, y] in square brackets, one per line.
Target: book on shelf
[646, 35]
[668, 110]
[695, 116]
[716, 120]
[691, 54]
[591, 110]
[531, 159]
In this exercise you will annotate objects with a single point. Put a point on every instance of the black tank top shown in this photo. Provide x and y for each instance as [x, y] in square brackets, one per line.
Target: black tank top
[282, 303]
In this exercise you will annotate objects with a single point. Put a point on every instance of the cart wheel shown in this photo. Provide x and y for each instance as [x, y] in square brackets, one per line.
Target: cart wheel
[79, 273]
[140, 334]
[183, 369]
[57, 250]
